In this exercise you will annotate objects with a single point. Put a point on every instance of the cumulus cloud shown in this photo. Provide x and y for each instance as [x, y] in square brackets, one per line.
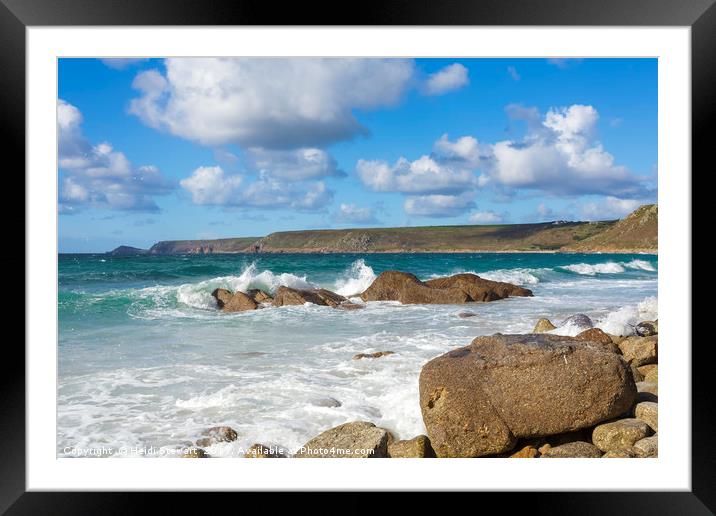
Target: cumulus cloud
[350, 213]
[269, 103]
[451, 78]
[422, 176]
[559, 156]
[294, 165]
[96, 175]
[487, 217]
[211, 186]
[439, 205]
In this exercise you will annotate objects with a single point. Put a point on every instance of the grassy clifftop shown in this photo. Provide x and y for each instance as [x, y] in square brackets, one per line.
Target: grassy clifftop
[636, 232]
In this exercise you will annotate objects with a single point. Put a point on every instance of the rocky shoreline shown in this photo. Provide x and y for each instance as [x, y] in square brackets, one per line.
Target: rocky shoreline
[536, 395]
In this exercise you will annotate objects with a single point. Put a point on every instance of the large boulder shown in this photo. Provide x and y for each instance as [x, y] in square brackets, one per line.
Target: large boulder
[460, 288]
[233, 302]
[477, 400]
[292, 296]
[355, 440]
[408, 289]
[479, 289]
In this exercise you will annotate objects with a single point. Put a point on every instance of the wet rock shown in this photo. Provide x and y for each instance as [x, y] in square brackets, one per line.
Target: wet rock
[377, 354]
[597, 335]
[639, 351]
[259, 296]
[417, 447]
[543, 326]
[466, 315]
[358, 439]
[327, 402]
[581, 321]
[236, 302]
[408, 289]
[648, 411]
[261, 451]
[291, 296]
[647, 328]
[217, 434]
[572, 450]
[222, 296]
[622, 433]
[348, 305]
[460, 288]
[477, 400]
[479, 289]
[647, 447]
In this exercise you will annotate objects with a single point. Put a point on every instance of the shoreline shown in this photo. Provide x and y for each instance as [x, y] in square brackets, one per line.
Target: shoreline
[652, 252]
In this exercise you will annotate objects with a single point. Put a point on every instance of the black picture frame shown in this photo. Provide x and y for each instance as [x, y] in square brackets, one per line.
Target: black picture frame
[17, 15]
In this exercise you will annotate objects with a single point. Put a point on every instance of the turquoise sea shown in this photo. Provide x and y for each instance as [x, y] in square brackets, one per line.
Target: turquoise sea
[146, 359]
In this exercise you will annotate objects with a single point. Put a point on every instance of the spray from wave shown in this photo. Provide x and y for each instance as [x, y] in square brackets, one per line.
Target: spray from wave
[356, 279]
[592, 269]
[198, 295]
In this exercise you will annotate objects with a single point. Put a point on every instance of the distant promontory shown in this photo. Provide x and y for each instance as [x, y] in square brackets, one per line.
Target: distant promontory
[637, 232]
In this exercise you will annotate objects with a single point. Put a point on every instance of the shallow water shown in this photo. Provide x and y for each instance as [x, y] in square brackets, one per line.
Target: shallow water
[145, 358]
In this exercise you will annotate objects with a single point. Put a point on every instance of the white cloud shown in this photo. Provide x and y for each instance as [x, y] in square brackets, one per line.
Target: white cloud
[512, 71]
[557, 155]
[294, 165]
[422, 176]
[610, 208]
[97, 175]
[354, 214]
[439, 205]
[212, 186]
[487, 217]
[450, 78]
[209, 185]
[120, 63]
[271, 103]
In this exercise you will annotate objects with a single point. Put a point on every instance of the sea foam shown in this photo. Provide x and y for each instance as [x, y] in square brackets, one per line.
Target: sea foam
[356, 279]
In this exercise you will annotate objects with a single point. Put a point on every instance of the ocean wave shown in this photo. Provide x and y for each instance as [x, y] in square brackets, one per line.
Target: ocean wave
[198, 295]
[356, 279]
[641, 265]
[591, 269]
[620, 321]
[514, 276]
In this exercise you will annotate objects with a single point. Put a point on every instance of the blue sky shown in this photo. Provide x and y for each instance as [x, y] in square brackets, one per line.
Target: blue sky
[207, 148]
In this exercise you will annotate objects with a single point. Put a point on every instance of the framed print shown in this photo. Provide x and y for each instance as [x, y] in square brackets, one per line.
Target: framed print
[417, 233]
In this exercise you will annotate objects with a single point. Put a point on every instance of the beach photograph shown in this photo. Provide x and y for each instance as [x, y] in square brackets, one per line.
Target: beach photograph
[296, 257]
